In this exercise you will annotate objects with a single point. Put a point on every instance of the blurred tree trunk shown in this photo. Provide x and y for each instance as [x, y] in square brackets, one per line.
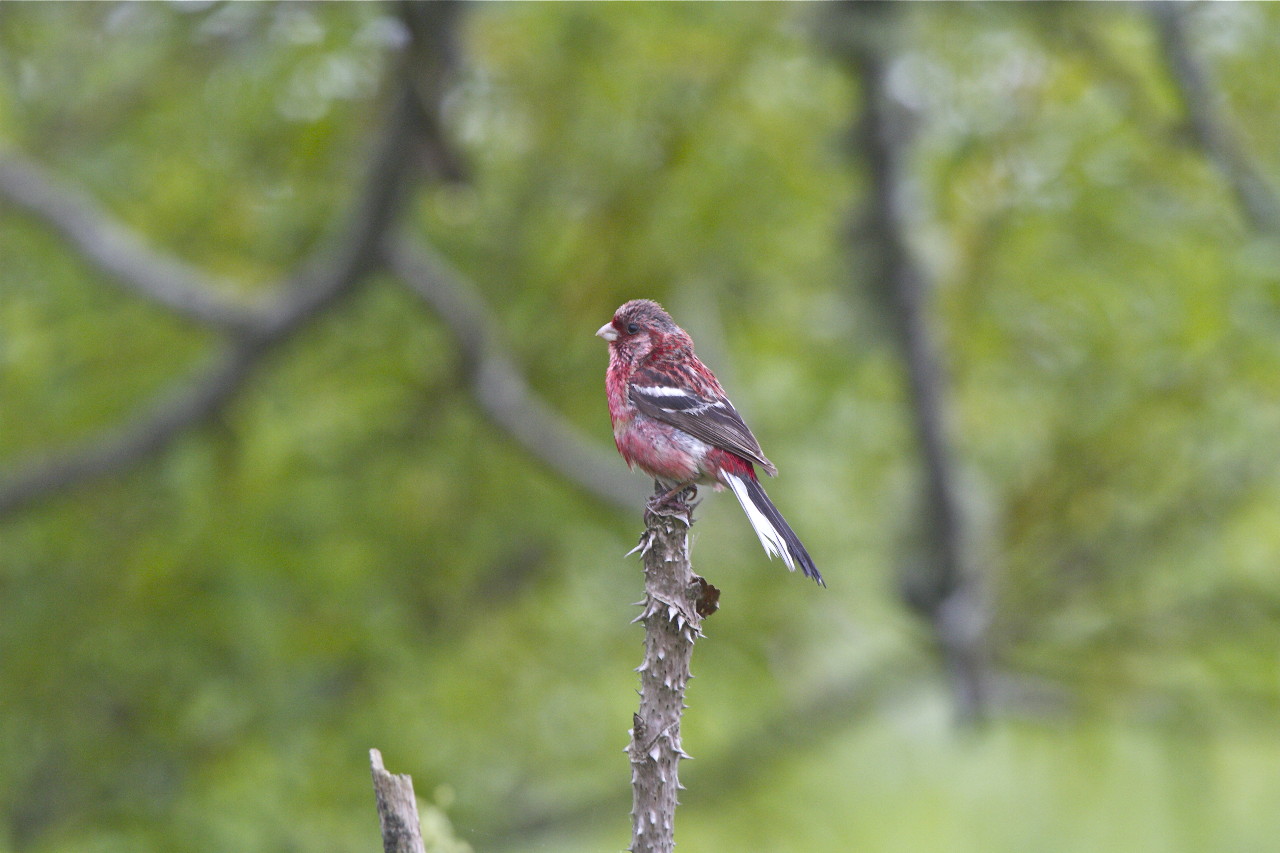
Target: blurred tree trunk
[1202, 103]
[941, 586]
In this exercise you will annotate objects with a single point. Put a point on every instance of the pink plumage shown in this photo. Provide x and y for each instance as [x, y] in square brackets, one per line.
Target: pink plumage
[672, 419]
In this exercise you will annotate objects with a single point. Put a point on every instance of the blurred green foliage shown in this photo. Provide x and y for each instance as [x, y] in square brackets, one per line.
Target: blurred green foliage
[197, 654]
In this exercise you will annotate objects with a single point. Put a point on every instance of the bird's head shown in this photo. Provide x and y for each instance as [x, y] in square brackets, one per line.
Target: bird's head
[641, 327]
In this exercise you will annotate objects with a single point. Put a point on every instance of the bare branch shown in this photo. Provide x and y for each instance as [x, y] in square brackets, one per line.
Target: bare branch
[397, 808]
[806, 724]
[499, 388]
[412, 130]
[1206, 115]
[116, 250]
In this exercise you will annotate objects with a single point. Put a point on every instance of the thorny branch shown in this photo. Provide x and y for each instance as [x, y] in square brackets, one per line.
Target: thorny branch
[848, 702]
[795, 727]
[675, 602]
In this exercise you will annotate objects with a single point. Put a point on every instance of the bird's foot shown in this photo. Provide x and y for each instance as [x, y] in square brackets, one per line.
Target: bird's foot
[677, 502]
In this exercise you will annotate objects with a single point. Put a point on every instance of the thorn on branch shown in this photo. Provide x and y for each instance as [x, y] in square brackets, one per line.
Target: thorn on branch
[643, 546]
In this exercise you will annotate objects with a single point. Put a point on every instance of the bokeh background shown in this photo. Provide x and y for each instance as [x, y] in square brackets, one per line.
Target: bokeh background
[304, 447]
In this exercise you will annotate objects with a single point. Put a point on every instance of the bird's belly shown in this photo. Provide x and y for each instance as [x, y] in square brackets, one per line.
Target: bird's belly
[661, 450]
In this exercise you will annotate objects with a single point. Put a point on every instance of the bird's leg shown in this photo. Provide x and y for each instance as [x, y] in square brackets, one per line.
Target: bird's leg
[676, 502]
[673, 500]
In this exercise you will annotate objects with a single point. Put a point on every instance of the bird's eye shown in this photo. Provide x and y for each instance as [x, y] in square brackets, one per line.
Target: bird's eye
[632, 328]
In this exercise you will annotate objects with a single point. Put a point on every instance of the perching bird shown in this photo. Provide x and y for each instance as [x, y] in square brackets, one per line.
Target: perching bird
[672, 419]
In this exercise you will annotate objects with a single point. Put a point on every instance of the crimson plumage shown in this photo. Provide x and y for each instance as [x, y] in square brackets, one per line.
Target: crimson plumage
[672, 419]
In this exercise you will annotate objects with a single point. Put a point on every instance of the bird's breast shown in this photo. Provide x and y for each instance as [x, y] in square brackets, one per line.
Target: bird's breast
[659, 449]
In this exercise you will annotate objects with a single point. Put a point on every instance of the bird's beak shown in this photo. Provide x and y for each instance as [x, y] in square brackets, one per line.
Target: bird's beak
[608, 332]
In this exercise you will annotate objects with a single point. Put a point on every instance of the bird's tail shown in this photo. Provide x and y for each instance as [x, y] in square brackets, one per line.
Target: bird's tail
[775, 534]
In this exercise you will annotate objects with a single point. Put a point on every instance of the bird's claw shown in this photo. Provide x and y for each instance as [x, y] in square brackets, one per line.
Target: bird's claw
[674, 503]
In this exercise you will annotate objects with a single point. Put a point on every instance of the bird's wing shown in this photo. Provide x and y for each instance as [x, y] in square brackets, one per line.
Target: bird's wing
[713, 420]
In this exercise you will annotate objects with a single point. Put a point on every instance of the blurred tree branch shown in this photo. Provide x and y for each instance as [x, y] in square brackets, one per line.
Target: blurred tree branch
[117, 448]
[432, 58]
[944, 588]
[1205, 113]
[324, 278]
[117, 251]
[1072, 30]
[411, 136]
[496, 381]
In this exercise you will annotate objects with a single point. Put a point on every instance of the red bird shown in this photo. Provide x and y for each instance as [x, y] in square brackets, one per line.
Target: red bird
[671, 417]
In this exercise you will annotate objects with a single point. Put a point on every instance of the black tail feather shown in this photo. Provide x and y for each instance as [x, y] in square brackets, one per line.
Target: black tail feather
[798, 553]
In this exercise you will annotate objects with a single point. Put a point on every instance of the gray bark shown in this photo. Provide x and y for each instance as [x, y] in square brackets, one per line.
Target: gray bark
[397, 809]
